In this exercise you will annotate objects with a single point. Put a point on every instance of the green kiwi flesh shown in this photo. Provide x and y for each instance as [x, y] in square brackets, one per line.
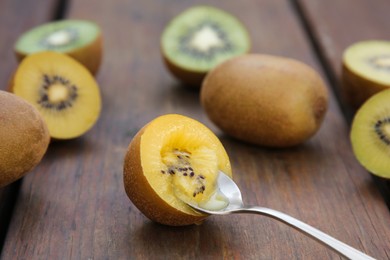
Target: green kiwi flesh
[370, 134]
[61, 36]
[202, 37]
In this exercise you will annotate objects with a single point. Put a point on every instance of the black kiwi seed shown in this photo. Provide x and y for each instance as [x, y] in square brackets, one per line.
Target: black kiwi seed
[379, 130]
[182, 167]
[46, 80]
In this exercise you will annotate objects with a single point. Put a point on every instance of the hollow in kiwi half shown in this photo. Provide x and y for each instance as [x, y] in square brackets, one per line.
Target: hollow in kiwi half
[199, 39]
[171, 159]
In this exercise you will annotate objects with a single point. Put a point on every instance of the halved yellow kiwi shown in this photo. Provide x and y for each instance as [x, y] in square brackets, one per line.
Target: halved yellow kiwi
[63, 91]
[171, 158]
[366, 70]
[370, 134]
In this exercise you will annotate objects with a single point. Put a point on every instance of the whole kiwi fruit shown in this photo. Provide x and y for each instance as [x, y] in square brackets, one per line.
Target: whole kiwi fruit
[24, 138]
[265, 100]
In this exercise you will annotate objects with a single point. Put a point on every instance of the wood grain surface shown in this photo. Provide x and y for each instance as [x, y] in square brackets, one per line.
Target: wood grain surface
[16, 17]
[73, 205]
[336, 26]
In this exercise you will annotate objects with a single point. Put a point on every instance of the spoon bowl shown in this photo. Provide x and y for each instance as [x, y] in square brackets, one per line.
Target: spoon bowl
[228, 191]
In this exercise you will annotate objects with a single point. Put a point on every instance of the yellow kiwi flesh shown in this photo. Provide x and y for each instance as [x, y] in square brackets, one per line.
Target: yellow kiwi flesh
[370, 134]
[366, 71]
[173, 158]
[63, 91]
[24, 138]
[265, 100]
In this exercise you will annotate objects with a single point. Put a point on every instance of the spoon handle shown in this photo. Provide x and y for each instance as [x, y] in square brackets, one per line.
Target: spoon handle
[338, 246]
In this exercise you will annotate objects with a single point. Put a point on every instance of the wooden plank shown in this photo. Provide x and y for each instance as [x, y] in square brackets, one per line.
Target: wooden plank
[338, 24]
[15, 18]
[332, 33]
[7, 200]
[74, 204]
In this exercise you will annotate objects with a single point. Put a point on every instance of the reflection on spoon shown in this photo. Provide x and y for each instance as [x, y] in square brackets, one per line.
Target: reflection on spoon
[228, 200]
[217, 201]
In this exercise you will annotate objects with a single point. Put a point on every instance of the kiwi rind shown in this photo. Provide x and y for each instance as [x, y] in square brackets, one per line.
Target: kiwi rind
[24, 138]
[87, 49]
[187, 69]
[357, 89]
[370, 146]
[265, 100]
[360, 81]
[192, 79]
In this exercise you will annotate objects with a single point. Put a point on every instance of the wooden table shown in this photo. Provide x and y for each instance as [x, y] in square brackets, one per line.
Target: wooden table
[73, 205]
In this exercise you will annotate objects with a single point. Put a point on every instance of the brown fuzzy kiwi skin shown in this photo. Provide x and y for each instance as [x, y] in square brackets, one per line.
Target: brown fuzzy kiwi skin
[90, 55]
[11, 82]
[357, 89]
[240, 96]
[191, 79]
[24, 138]
[142, 194]
[10, 88]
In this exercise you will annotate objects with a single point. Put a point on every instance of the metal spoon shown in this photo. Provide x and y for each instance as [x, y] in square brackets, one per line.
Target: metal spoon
[229, 191]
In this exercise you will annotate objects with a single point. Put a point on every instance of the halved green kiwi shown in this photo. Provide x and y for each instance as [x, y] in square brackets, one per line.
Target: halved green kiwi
[199, 39]
[80, 39]
[370, 134]
[366, 70]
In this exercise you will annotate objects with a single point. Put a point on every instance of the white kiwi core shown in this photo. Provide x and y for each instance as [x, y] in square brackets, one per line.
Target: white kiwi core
[59, 38]
[58, 93]
[383, 62]
[205, 39]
